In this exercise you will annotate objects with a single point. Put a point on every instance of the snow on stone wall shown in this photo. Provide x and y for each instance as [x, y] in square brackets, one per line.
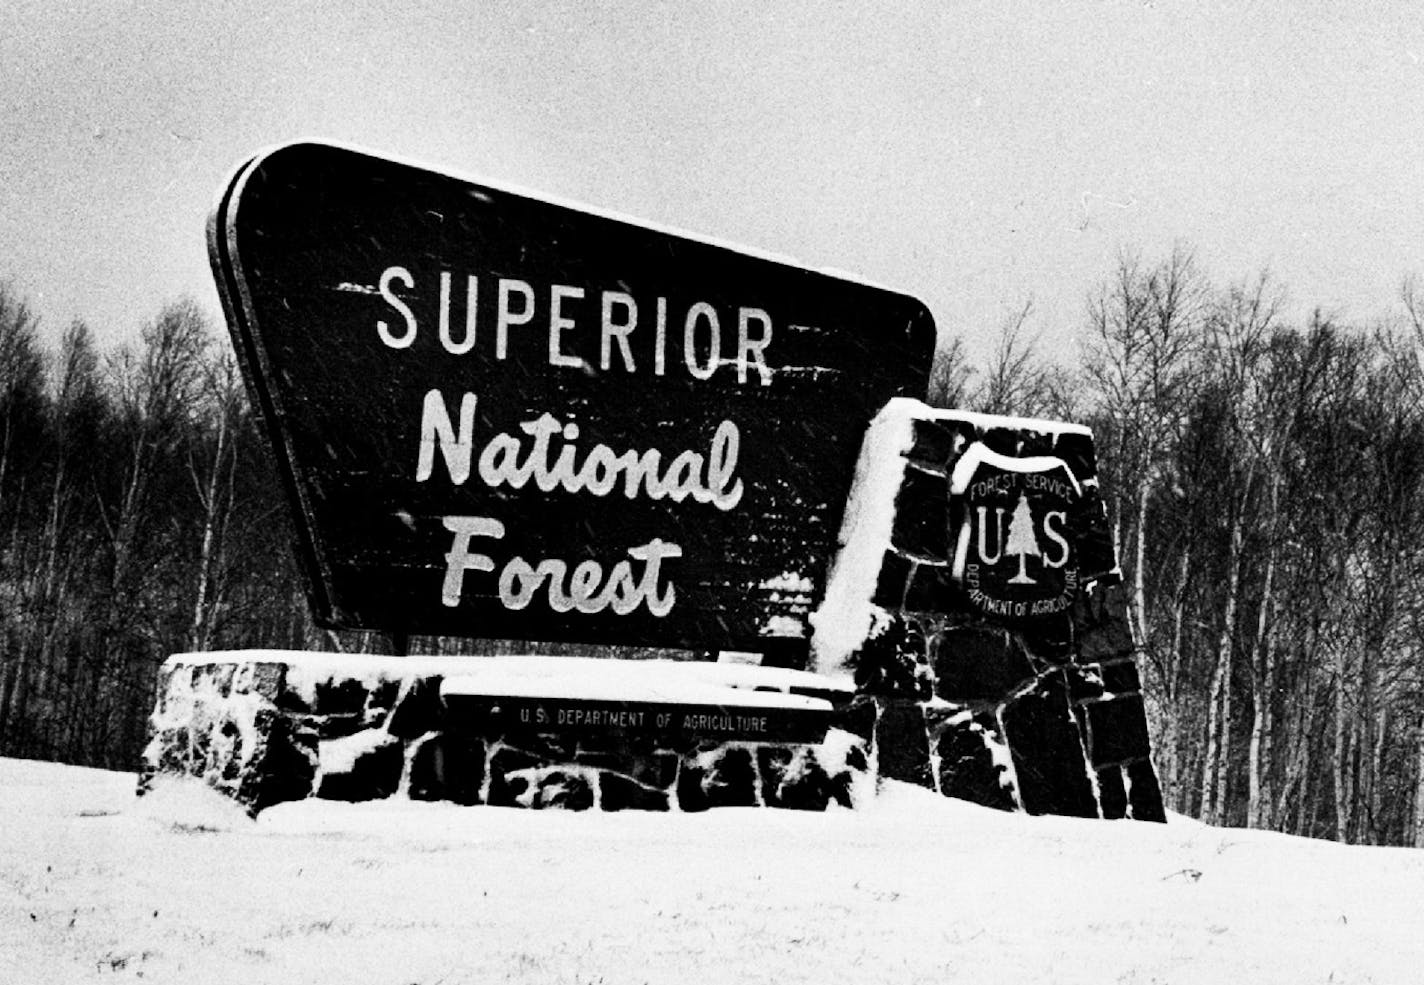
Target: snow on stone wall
[1042, 714]
[265, 727]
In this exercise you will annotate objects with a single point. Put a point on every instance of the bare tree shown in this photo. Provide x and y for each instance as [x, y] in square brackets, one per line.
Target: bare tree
[21, 423]
[950, 374]
[1145, 332]
[214, 482]
[1238, 334]
[1017, 380]
[157, 390]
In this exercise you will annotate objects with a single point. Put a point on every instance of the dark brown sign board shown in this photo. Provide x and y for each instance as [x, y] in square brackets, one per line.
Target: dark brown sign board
[499, 416]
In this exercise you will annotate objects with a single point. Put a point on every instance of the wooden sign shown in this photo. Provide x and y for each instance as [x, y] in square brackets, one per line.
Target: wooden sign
[503, 417]
[1019, 519]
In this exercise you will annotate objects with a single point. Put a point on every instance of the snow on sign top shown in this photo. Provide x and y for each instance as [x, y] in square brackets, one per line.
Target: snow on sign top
[498, 415]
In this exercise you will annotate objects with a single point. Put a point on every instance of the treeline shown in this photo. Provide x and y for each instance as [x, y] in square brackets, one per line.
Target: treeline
[1265, 485]
[138, 517]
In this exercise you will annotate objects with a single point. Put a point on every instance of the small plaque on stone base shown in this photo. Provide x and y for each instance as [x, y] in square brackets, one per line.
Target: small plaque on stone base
[788, 720]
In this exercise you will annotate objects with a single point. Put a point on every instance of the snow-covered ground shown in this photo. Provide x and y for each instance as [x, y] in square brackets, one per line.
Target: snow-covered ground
[180, 887]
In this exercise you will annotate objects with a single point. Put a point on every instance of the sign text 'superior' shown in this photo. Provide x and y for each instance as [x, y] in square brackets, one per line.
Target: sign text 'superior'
[619, 316]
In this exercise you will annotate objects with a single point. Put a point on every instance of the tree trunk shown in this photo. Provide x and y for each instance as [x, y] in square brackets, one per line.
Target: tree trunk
[1175, 792]
[14, 653]
[1417, 839]
[1297, 774]
[200, 630]
[1376, 835]
[1343, 772]
[14, 667]
[1218, 728]
[1139, 581]
[1263, 684]
[1260, 813]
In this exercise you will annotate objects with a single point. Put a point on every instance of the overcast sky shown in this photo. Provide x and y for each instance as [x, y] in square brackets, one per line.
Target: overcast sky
[972, 154]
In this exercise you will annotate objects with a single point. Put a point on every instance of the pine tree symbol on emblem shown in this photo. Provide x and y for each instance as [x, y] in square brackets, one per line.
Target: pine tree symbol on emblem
[1021, 541]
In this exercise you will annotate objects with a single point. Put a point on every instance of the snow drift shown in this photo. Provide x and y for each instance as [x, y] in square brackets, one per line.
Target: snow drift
[181, 887]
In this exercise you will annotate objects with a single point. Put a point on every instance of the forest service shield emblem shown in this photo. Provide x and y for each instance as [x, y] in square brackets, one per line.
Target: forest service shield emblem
[1014, 555]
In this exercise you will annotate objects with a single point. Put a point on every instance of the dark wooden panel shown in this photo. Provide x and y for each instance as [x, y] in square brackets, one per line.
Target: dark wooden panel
[315, 246]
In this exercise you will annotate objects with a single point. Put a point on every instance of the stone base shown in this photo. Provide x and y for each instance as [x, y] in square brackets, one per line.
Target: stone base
[266, 727]
[1016, 720]
[1039, 711]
